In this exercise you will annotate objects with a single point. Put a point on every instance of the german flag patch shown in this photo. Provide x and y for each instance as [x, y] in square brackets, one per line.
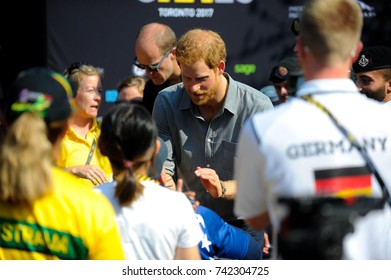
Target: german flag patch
[343, 182]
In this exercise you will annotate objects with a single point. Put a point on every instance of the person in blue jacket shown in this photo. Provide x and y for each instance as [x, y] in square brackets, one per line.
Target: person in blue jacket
[221, 240]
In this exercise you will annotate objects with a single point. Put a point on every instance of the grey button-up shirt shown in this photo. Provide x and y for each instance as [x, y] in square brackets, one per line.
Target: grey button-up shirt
[192, 142]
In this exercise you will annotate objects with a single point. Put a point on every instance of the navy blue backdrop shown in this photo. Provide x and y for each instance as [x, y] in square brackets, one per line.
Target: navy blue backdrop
[257, 33]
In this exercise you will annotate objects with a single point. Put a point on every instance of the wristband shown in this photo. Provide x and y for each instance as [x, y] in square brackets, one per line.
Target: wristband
[223, 189]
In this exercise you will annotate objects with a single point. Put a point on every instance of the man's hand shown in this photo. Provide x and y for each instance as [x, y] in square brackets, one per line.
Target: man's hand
[266, 244]
[210, 180]
[167, 181]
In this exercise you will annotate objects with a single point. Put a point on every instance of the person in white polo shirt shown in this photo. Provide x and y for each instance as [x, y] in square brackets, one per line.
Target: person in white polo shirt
[298, 151]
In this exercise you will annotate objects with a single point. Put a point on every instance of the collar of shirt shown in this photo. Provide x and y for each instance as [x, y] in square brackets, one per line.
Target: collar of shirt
[230, 103]
[94, 129]
[322, 86]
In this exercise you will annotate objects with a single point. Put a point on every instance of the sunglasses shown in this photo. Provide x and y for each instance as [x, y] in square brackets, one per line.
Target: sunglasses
[295, 27]
[74, 66]
[153, 67]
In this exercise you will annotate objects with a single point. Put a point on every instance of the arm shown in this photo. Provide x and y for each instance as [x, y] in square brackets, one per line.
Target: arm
[191, 253]
[161, 116]
[90, 172]
[251, 202]
[259, 222]
[223, 240]
[212, 183]
[70, 160]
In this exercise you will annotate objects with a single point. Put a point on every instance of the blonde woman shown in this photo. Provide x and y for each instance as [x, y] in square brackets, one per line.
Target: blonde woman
[79, 153]
[45, 212]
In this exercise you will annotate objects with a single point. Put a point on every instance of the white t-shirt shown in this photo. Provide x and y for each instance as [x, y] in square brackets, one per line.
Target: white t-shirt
[157, 223]
[296, 151]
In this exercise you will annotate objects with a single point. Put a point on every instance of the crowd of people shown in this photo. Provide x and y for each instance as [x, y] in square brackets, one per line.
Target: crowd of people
[191, 164]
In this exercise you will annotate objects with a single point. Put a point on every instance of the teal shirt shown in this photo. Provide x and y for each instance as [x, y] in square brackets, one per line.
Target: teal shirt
[192, 142]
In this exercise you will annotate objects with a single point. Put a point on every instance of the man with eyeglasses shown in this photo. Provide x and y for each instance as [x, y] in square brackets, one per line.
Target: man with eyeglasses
[155, 53]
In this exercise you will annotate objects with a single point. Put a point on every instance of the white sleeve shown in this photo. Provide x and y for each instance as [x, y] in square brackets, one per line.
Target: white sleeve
[250, 199]
[191, 233]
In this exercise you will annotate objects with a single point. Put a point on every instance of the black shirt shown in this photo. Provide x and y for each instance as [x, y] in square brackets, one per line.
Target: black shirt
[150, 92]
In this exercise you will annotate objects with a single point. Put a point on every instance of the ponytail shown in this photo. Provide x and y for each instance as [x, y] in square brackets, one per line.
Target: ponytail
[128, 187]
[25, 161]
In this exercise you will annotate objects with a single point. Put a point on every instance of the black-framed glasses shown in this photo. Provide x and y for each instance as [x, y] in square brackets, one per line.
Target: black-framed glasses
[153, 67]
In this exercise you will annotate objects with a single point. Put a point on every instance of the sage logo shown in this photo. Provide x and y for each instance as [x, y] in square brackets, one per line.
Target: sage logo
[294, 11]
[197, 1]
[245, 69]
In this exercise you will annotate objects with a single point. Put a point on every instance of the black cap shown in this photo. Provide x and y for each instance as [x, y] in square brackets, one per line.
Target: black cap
[40, 90]
[287, 67]
[373, 58]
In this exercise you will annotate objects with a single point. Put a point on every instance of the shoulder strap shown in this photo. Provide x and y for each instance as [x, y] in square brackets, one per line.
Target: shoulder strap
[370, 165]
[91, 152]
[99, 123]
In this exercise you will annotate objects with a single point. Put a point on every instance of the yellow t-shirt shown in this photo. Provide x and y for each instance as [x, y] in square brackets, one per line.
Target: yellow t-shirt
[74, 151]
[71, 223]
